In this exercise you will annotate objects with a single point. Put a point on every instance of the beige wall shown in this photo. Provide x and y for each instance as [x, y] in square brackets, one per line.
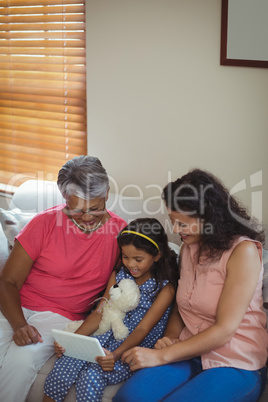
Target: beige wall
[159, 103]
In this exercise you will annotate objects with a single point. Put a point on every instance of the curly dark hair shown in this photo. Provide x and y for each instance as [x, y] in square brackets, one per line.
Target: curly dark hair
[166, 268]
[201, 195]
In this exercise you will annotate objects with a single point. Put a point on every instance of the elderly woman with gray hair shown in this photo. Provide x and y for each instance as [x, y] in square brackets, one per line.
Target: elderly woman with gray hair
[60, 263]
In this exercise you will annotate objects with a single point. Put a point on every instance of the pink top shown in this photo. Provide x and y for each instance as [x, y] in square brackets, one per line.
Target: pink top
[70, 267]
[199, 290]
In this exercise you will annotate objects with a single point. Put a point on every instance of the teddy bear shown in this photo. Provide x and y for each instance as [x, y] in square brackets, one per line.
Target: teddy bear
[124, 297]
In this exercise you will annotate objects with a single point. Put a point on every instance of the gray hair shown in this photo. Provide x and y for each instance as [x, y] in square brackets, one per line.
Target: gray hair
[83, 176]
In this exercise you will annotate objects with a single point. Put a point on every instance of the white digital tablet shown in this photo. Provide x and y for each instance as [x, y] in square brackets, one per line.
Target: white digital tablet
[78, 346]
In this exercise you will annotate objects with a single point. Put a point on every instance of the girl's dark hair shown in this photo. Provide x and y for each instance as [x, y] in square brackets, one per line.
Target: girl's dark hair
[166, 268]
[201, 195]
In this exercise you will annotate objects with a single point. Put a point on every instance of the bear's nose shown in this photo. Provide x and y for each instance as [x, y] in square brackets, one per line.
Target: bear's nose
[116, 286]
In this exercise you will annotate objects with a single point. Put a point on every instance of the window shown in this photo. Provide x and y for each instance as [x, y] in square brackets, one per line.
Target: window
[42, 87]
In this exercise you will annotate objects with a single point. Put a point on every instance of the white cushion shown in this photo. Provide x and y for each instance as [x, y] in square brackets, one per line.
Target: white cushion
[175, 247]
[12, 222]
[36, 196]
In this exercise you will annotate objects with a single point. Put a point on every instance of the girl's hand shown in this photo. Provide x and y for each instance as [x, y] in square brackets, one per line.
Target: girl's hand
[106, 362]
[139, 357]
[164, 342]
[26, 335]
[59, 350]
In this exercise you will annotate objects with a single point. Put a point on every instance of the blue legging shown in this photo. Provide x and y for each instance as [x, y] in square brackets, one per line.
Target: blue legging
[187, 381]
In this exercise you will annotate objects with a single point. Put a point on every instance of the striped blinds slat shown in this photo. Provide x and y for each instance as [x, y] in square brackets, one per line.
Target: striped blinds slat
[42, 87]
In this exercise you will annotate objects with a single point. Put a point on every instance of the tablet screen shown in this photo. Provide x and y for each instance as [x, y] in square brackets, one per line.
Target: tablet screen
[79, 346]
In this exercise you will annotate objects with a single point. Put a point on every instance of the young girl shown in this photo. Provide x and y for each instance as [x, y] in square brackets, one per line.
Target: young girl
[148, 260]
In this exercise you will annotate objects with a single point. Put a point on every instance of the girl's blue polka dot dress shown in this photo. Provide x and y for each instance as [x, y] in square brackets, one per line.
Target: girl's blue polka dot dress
[89, 378]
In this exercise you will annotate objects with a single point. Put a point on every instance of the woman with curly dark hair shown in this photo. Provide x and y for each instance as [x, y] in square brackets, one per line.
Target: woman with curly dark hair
[215, 345]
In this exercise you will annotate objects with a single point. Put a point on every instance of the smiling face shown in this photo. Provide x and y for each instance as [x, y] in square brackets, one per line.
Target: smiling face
[188, 227]
[138, 262]
[86, 213]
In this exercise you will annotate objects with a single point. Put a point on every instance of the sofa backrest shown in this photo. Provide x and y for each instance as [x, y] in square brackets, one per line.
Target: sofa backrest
[37, 195]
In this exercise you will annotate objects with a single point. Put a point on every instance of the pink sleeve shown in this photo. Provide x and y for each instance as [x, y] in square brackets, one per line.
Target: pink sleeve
[32, 235]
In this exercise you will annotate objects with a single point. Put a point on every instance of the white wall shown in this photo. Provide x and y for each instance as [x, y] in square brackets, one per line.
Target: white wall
[159, 103]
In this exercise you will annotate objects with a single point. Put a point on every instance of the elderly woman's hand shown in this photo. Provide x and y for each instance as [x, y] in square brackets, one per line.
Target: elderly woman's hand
[26, 335]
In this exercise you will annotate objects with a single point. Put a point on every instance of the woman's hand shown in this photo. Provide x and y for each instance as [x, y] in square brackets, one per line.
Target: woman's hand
[26, 335]
[164, 342]
[59, 350]
[106, 362]
[139, 357]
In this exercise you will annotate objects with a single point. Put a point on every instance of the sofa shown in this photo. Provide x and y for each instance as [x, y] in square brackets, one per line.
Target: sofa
[36, 195]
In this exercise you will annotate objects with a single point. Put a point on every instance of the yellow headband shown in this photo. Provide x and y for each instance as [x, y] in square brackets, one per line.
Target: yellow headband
[142, 235]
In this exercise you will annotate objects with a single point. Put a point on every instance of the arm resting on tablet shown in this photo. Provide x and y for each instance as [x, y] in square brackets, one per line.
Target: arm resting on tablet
[153, 315]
